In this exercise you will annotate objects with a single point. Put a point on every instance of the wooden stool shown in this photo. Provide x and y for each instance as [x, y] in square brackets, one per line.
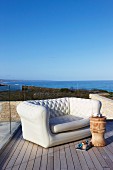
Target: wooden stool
[98, 128]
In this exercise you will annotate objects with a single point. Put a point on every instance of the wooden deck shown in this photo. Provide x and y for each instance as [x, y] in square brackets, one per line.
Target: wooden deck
[20, 155]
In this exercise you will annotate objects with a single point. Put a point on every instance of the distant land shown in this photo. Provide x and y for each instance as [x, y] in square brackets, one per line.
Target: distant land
[85, 84]
[13, 80]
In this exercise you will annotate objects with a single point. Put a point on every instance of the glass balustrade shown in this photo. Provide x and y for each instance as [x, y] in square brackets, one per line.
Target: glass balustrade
[12, 94]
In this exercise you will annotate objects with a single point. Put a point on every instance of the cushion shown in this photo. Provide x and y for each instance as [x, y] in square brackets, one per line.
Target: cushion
[67, 123]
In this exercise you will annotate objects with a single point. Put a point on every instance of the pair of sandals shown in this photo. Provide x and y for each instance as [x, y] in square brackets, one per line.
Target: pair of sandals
[84, 145]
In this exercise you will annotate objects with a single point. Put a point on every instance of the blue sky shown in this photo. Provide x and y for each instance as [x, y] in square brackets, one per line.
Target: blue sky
[56, 39]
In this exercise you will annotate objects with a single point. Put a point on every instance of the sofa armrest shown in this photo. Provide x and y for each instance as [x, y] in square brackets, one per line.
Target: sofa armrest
[96, 106]
[35, 118]
[31, 112]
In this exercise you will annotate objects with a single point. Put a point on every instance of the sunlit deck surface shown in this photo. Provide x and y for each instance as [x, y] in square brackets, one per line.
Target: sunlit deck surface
[21, 154]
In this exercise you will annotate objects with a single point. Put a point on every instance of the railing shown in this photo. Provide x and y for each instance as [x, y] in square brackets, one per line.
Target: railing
[12, 95]
[8, 120]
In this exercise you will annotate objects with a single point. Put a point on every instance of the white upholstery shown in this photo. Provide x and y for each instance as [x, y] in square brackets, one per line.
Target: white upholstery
[67, 123]
[55, 107]
[83, 107]
[67, 117]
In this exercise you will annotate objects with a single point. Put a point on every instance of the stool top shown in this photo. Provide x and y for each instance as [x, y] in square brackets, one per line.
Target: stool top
[103, 118]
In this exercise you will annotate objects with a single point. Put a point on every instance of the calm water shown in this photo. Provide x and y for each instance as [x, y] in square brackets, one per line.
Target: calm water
[104, 85]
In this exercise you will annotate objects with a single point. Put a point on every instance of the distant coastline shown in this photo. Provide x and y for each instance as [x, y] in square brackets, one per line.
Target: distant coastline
[88, 85]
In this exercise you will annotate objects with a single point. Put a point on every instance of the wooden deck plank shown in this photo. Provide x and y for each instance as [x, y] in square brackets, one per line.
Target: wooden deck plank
[28, 152]
[15, 167]
[63, 158]
[24, 155]
[43, 165]
[100, 158]
[38, 158]
[15, 154]
[28, 160]
[95, 160]
[109, 140]
[10, 153]
[106, 157]
[82, 160]
[50, 159]
[9, 169]
[108, 152]
[75, 158]
[30, 165]
[37, 163]
[56, 158]
[33, 152]
[69, 159]
[21, 154]
[89, 160]
[23, 166]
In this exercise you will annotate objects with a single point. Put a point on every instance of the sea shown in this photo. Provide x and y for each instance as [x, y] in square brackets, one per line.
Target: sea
[88, 85]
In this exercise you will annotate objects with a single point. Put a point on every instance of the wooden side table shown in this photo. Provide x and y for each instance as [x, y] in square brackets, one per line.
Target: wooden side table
[98, 128]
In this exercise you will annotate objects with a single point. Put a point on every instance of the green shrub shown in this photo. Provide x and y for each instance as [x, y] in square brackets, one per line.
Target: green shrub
[65, 90]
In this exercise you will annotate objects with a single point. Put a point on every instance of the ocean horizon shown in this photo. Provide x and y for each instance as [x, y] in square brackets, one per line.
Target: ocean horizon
[88, 85]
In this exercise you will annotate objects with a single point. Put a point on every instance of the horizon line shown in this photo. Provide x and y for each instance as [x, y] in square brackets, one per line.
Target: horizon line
[52, 80]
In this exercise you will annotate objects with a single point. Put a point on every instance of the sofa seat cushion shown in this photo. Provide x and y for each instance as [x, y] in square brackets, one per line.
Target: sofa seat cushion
[67, 123]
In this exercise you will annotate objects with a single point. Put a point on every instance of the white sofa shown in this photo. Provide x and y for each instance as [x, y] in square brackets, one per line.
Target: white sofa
[55, 121]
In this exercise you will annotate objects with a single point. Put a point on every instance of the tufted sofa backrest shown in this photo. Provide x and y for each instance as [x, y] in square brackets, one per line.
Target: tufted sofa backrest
[56, 107]
[84, 107]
